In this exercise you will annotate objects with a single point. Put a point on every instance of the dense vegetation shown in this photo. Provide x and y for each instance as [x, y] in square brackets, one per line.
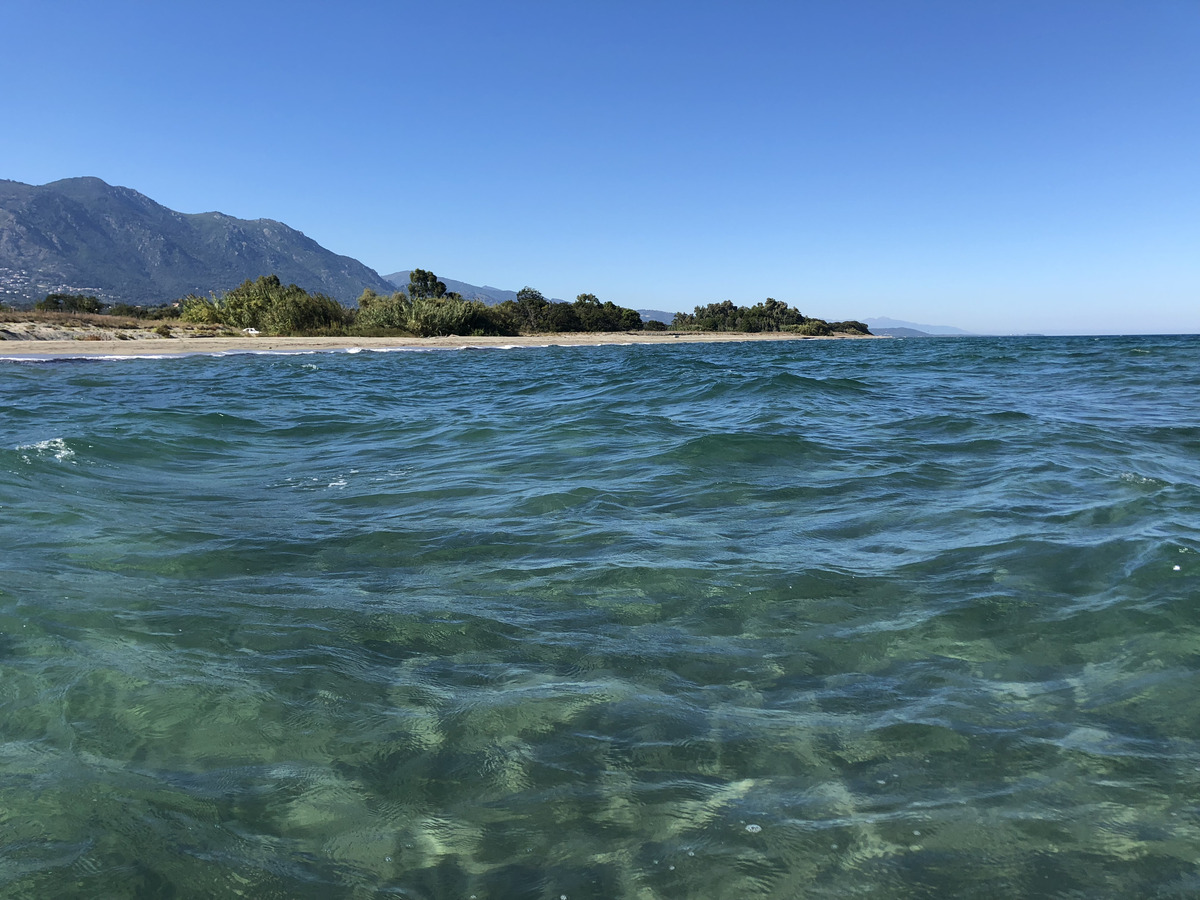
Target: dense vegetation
[72, 303]
[163, 311]
[86, 304]
[770, 315]
[426, 309]
[269, 306]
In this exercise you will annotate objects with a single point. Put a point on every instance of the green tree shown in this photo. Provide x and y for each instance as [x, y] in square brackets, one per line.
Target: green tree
[850, 326]
[503, 318]
[423, 284]
[560, 317]
[607, 316]
[531, 308]
[811, 328]
[770, 315]
[682, 321]
[72, 303]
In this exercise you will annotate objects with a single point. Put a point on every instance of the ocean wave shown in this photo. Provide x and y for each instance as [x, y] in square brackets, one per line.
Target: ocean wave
[54, 448]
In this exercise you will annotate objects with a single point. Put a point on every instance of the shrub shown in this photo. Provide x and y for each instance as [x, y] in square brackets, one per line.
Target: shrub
[850, 327]
[269, 306]
[72, 303]
[298, 312]
[429, 317]
[200, 310]
[146, 312]
[382, 314]
[810, 328]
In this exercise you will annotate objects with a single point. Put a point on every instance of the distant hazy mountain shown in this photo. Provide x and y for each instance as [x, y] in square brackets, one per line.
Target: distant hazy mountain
[900, 328]
[899, 332]
[658, 315]
[81, 235]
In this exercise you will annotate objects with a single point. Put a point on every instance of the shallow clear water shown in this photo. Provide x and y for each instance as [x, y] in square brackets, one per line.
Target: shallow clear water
[894, 619]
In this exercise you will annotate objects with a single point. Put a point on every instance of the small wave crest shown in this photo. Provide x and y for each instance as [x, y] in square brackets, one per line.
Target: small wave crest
[55, 448]
[1143, 480]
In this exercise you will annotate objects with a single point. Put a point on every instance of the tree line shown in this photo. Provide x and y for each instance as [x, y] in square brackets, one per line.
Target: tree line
[426, 309]
[90, 304]
[770, 315]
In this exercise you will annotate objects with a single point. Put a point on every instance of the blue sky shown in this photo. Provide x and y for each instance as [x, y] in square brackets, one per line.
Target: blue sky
[998, 165]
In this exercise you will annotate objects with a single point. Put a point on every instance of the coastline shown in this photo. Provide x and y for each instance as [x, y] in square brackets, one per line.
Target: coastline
[180, 346]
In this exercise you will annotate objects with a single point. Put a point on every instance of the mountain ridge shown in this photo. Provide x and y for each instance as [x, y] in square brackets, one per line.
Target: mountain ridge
[83, 235]
[901, 328]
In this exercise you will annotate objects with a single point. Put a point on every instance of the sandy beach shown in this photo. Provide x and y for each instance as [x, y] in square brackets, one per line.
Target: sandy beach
[93, 346]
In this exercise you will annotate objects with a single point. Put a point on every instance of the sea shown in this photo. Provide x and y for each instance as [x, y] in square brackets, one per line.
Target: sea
[907, 618]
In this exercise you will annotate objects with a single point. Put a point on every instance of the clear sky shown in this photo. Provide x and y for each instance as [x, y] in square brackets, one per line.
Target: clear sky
[997, 165]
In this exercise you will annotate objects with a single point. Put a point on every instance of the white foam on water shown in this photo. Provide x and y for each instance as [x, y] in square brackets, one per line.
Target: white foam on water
[1135, 478]
[404, 349]
[55, 447]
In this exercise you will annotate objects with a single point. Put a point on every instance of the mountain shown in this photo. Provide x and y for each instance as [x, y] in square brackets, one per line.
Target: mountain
[898, 332]
[659, 315]
[81, 235]
[900, 328]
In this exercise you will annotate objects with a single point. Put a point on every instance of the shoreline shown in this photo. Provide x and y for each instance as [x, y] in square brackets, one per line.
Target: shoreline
[76, 348]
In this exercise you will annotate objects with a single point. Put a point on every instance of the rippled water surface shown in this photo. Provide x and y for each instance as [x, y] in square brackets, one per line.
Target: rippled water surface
[887, 619]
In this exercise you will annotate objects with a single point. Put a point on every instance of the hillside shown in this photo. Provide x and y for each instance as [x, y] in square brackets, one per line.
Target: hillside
[81, 235]
[901, 328]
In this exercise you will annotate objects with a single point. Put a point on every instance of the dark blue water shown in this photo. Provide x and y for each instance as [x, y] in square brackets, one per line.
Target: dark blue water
[886, 619]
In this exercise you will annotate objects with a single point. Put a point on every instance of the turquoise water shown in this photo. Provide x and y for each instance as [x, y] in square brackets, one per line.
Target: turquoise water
[887, 619]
